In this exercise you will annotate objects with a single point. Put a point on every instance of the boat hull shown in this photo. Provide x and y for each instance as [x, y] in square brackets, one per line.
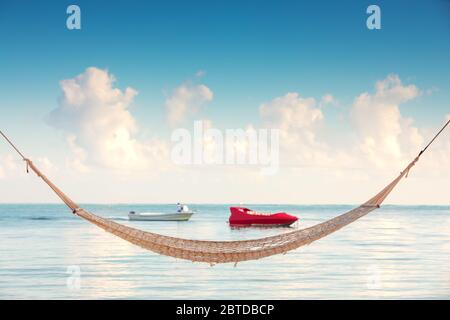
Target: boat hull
[160, 216]
[241, 217]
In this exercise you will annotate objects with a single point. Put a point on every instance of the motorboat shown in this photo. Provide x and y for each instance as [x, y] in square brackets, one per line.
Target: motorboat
[241, 216]
[160, 216]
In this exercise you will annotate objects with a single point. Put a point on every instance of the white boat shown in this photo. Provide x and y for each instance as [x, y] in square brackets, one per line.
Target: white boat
[160, 216]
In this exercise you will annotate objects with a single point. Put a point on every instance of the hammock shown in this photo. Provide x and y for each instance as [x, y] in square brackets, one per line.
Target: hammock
[226, 251]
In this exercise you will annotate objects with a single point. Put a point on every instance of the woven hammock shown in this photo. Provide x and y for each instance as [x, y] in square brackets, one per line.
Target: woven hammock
[226, 251]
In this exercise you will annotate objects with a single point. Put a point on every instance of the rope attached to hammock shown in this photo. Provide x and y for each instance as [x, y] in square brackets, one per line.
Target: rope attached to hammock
[213, 252]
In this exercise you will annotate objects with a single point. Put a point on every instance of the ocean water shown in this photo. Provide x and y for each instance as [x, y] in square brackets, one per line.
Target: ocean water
[395, 252]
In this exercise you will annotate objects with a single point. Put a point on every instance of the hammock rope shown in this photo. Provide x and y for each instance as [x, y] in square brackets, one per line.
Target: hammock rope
[227, 251]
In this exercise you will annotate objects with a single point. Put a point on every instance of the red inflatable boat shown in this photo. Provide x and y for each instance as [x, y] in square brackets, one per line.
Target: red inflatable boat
[245, 217]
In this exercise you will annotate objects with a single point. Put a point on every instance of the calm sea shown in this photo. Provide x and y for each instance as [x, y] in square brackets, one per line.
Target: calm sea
[395, 252]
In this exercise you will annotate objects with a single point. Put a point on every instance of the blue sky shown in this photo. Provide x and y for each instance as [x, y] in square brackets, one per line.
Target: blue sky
[250, 51]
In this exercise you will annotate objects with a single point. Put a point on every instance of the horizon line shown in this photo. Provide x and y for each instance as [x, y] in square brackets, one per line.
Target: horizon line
[223, 203]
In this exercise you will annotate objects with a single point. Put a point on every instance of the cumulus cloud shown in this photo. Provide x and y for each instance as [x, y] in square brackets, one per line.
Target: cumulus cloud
[186, 99]
[45, 164]
[98, 125]
[385, 134]
[9, 162]
[328, 99]
[99, 129]
[299, 120]
[291, 112]
[9, 166]
[79, 156]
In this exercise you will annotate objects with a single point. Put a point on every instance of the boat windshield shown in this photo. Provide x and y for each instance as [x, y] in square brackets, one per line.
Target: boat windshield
[258, 213]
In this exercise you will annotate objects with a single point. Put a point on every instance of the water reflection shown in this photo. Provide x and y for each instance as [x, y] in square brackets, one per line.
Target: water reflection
[396, 252]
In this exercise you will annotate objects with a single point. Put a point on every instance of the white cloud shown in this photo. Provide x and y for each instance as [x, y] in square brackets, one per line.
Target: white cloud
[9, 162]
[385, 134]
[328, 99]
[9, 166]
[45, 164]
[12, 167]
[77, 161]
[99, 127]
[186, 99]
[299, 121]
[291, 112]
